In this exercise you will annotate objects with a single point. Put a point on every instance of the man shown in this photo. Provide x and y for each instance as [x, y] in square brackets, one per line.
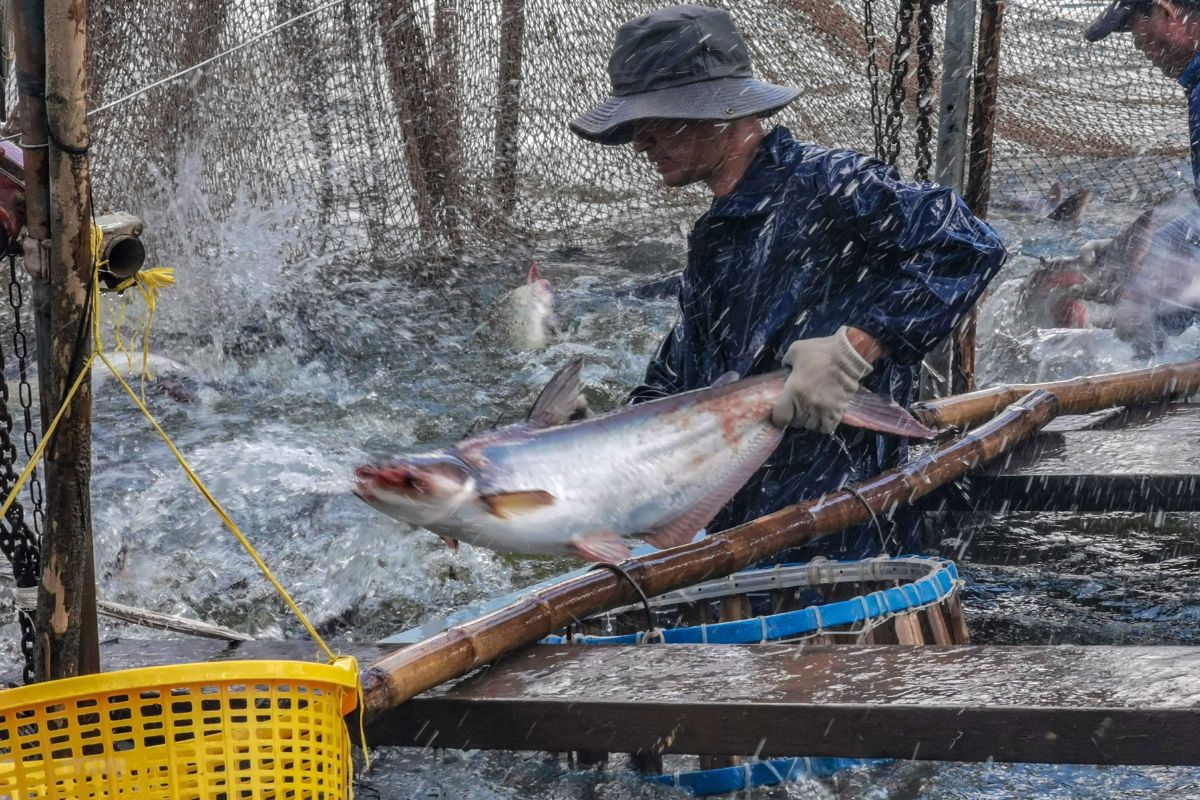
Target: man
[820, 260]
[1162, 294]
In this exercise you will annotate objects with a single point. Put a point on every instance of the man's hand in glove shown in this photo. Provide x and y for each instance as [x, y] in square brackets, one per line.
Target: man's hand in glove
[825, 375]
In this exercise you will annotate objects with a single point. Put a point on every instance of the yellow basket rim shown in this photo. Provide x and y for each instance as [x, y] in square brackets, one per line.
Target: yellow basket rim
[343, 673]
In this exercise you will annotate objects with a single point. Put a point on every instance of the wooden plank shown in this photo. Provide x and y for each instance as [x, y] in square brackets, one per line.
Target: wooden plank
[953, 609]
[937, 624]
[908, 629]
[1101, 705]
[1151, 464]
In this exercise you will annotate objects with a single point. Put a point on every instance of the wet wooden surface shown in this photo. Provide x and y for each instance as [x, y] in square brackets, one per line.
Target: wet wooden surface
[1061, 704]
[1105, 705]
[1142, 460]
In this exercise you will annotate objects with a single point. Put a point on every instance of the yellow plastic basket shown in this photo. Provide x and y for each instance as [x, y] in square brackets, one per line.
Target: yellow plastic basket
[228, 730]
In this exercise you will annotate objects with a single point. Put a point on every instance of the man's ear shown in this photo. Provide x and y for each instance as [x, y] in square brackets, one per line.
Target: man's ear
[1173, 11]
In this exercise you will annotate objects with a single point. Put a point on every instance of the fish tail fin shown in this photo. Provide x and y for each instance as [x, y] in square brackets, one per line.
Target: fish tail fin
[875, 413]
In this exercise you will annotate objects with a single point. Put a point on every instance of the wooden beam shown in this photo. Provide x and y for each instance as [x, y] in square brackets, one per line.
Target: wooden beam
[69, 644]
[1071, 705]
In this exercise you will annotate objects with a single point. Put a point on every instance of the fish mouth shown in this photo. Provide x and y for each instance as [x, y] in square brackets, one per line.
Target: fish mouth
[363, 479]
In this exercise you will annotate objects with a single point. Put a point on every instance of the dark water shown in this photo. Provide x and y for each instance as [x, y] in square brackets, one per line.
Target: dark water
[301, 373]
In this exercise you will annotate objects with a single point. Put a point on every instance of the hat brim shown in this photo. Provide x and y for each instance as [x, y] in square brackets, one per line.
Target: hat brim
[611, 122]
[1114, 19]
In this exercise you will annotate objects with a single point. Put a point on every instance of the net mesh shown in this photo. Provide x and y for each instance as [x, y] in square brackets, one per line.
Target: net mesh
[390, 129]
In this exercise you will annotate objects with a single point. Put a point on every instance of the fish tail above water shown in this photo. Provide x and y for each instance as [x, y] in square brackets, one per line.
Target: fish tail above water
[876, 413]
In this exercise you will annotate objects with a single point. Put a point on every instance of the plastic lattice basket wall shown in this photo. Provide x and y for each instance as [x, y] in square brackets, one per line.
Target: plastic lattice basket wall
[239, 729]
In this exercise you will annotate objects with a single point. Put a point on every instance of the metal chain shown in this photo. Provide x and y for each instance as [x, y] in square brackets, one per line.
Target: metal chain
[25, 392]
[873, 76]
[899, 69]
[924, 148]
[17, 541]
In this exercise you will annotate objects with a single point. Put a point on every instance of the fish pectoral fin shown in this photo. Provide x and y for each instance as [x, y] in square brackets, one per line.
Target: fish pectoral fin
[452, 543]
[556, 403]
[602, 546]
[509, 504]
[673, 534]
[726, 378]
[876, 413]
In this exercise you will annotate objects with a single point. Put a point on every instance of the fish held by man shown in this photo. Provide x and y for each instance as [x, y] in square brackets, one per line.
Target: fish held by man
[658, 470]
[530, 312]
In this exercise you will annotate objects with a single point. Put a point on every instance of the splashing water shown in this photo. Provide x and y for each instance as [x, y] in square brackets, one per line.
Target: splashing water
[305, 367]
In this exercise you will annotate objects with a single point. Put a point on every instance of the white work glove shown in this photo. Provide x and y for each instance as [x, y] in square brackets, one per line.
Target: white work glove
[825, 375]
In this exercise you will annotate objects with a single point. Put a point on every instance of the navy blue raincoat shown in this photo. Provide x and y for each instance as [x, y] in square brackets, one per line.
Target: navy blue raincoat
[809, 240]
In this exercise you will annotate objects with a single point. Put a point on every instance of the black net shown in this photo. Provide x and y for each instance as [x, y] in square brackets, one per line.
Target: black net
[391, 128]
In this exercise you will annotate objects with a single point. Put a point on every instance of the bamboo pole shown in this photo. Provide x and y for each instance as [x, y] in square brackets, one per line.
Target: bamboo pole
[393, 679]
[1075, 396]
[67, 599]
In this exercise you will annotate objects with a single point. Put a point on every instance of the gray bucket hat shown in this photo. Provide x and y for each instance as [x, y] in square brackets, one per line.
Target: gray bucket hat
[683, 62]
[1114, 19]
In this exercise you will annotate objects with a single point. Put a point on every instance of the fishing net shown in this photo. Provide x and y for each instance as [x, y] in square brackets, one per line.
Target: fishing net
[394, 130]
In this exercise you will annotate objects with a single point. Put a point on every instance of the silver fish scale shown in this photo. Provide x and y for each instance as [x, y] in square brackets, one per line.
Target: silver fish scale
[634, 475]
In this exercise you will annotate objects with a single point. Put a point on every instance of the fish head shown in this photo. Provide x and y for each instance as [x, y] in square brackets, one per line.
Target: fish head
[420, 489]
[1051, 295]
[531, 312]
[538, 286]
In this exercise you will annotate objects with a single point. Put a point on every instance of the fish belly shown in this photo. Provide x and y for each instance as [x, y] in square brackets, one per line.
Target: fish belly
[630, 479]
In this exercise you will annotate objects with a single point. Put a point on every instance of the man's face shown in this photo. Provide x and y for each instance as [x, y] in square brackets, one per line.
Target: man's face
[1168, 35]
[683, 151]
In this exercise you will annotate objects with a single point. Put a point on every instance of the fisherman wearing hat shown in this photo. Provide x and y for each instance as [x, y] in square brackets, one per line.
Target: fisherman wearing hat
[817, 259]
[1158, 301]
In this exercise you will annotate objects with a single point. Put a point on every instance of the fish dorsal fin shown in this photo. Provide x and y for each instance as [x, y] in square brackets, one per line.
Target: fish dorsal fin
[557, 402]
[509, 504]
[727, 378]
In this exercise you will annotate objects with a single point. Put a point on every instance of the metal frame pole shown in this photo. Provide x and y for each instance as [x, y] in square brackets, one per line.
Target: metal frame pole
[958, 70]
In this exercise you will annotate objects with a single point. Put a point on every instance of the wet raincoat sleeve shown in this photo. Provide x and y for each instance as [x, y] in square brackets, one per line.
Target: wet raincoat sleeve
[663, 376]
[926, 257]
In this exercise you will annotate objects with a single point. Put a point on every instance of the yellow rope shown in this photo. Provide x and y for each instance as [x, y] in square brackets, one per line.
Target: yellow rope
[149, 286]
[37, 453]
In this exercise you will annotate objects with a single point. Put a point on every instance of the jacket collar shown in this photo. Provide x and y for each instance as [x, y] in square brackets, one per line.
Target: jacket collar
[756, 190]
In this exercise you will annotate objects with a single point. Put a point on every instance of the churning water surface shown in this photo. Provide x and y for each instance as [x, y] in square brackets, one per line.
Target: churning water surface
[298, 374]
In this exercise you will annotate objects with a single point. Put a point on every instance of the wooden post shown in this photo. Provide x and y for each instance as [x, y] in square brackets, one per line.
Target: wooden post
[951, 166]
[508, 108]
[979, 181]
[67, 600]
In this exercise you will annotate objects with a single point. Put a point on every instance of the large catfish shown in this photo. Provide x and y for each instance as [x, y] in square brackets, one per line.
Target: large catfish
[659, 470]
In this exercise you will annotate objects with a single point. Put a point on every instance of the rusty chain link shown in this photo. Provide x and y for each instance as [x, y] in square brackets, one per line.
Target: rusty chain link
[873, 76]
[924, 122]
[894, 121]
[17, 541]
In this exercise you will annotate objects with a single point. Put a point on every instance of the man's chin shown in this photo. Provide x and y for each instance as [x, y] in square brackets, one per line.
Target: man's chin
[675, 180]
